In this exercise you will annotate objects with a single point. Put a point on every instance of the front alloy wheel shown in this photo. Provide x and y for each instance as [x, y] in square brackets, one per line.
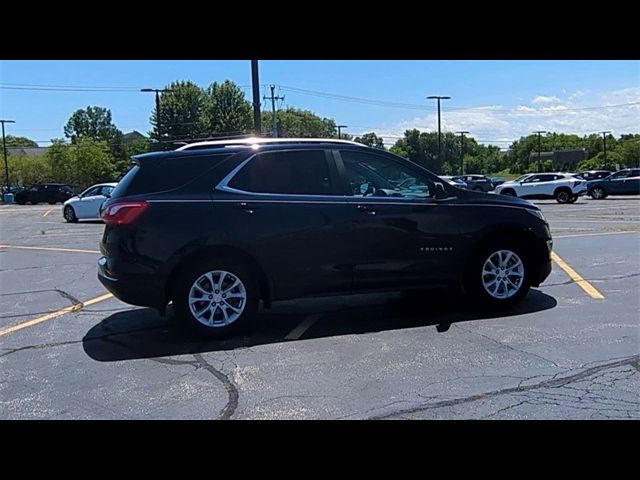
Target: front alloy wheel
[503, 274]
[598, 193]
[69, 214]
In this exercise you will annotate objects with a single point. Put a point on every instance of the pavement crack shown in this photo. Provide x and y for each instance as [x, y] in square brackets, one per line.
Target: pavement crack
[506, 345]
[232, 392]
[68, 296]
[551, 383]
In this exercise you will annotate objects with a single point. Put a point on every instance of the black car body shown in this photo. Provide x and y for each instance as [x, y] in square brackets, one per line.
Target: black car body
[302, 218]
[51, 193]
[479, 183]
[623, 182]
[594, 174]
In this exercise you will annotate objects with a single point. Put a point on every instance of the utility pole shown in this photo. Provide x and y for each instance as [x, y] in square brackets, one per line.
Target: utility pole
[462, 151]
[158, 91]
[438, 98]
[340, 127]
[604, 139]
[255, 82]
[273, 99]
[539, 132]
[4, 147]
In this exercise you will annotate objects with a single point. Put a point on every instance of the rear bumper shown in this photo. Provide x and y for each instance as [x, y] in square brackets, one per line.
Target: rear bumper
[143, 291]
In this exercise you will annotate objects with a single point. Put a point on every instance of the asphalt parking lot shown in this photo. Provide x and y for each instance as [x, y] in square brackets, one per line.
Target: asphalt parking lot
[569, 351]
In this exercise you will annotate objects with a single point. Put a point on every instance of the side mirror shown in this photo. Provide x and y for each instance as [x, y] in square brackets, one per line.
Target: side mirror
[439, 191]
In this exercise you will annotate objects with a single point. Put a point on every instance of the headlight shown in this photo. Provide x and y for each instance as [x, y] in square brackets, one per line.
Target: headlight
[537, 213]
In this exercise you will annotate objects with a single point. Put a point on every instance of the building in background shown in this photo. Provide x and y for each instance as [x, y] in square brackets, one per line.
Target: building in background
[563, 160]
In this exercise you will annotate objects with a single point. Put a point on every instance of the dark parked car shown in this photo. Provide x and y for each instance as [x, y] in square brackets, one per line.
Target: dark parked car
[495, 181]
[624, 182]
[479, 183]
[594, 174]
[51, 193]
[217, 227]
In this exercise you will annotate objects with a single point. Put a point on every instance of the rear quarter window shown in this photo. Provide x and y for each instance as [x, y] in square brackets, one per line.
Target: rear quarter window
[164, 175]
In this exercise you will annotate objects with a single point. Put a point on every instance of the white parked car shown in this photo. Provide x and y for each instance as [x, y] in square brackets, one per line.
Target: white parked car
[86, 206]
[564, 187]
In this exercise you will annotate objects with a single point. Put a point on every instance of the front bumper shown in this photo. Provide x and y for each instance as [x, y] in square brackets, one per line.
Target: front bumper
[143, 291]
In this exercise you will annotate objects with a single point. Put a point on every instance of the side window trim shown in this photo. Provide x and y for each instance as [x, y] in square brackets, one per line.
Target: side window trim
[223, 185]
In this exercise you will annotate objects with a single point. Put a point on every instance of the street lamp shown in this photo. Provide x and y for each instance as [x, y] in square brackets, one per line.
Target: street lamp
[4, 147]
[539, 132]
[462, 134]
[340, 127]
[438, 98]
[157, 91]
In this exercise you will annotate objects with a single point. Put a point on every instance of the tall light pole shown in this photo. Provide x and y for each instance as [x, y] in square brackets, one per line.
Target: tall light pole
[4, 147]
[539, 132]
[438, 98]
[462, 134]
[340, 127]
[157, 91]
[255, 82]
[604, 139]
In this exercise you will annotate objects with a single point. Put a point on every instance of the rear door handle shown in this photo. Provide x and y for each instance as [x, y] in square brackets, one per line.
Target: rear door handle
[368, 209]
[245, 206]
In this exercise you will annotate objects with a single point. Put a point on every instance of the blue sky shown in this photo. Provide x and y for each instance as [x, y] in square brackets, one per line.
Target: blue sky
[497, 101]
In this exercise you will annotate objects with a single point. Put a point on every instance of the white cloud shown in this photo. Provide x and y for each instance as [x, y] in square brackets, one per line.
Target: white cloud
[541, 99]
[502, 125]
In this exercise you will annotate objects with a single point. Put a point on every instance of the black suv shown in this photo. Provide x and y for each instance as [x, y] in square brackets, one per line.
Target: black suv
[217, 227]
[479, 183]
[51, 193]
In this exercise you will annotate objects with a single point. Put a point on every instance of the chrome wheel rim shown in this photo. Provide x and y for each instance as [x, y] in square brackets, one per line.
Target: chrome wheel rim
[217, 298]
[503, 274]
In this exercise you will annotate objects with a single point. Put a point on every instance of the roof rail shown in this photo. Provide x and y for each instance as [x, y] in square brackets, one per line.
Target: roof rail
[261, 141]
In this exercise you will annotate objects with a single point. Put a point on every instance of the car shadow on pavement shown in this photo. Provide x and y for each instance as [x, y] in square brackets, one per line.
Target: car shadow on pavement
[143, 333]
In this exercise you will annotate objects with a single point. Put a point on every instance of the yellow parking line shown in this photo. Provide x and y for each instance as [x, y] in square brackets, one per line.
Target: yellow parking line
[50, 316]
[47, 212]
[575, 276]
[49, 249]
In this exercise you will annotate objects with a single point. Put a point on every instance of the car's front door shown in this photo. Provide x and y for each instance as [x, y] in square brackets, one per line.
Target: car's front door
[403, 236]
[287, 209]
[87, 199]
[617, 182]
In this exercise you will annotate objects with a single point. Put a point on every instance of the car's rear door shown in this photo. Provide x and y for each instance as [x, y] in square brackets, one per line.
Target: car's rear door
[402, 236]
[286, 208]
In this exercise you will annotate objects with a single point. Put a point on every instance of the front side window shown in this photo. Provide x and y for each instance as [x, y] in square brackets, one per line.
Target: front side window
[374, 175]
[299, 172]
[619, 175]
[91, 192]
[532, 179]
[106, 190]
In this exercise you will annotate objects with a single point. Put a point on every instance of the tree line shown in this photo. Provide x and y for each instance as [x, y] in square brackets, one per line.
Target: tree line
[95, 150]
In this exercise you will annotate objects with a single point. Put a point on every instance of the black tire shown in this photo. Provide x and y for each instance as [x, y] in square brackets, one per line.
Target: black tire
[69, 214]
[598, 193]
[52, 203]
[510, 192]
[473, 283]
[478, 189]
[21, 202]
[563, 195]
[186, 280]
[573, 199]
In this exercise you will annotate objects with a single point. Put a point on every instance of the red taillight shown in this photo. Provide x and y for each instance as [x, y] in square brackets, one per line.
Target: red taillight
[123, 213]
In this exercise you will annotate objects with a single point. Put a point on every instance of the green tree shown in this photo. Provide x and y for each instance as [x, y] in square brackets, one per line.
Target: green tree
[227, 110]
[182, 115]
[371, 140]
[81, 164]
[92, 122]
[13, 141]
[26, 171]
[294, 122]
[630, 149]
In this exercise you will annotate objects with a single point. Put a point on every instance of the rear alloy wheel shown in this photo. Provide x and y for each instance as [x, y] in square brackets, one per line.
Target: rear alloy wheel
[69, 214]
[563, 196]
[498, 277]
[573, 199]
[219, 298]
[598, 193]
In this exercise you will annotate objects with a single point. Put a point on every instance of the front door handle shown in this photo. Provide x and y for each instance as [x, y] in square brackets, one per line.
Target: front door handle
[245, 207]
[368, 209]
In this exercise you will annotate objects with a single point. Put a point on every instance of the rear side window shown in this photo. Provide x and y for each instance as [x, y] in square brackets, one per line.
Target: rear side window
[301, 172]
[163, 175]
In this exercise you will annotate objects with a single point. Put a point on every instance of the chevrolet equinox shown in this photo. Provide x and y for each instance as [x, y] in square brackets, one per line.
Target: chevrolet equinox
[215, 227]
